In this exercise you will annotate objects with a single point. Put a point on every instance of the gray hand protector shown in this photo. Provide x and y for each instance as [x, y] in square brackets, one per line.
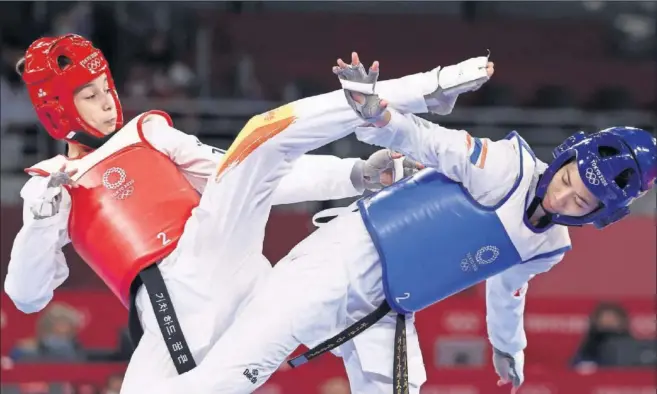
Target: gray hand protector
[359, 85]
[509, 367]
[368, 174]
[47, 205]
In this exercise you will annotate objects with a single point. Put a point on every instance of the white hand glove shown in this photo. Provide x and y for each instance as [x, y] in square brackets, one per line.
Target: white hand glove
[381, 169]
[48, 204]
[509, 368]
[467, 76]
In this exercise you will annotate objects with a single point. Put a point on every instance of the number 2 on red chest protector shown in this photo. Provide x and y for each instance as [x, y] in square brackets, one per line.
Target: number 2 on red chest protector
[163, 237]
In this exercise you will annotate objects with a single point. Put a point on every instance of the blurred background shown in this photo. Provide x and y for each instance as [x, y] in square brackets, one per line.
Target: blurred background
[560, 67]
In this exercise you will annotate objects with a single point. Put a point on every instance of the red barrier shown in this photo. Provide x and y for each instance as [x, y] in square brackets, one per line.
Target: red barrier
[315, 378]
[95, 374]
[554, 327]
[103, 317]
[617, 262]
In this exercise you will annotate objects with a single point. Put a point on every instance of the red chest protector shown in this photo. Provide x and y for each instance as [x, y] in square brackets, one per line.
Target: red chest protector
[129, 210]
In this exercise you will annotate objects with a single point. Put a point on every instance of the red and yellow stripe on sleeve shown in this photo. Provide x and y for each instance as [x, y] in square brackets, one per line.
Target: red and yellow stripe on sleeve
[258, 130]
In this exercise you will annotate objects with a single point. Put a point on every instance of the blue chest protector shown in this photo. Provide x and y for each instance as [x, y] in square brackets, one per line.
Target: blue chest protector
[431, 248]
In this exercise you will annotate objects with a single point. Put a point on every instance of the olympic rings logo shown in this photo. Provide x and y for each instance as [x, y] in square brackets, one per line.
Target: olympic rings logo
[480, 253]
[591, 176]
[116, 184]
[92, 62]
[115, 179]
[485, 255]
[94, 65]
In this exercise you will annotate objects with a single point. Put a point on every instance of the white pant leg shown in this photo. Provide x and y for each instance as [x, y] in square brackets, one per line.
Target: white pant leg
[204, 314]
[368, 360]
[151, 361]
[231, 217]
[369, 357]
[304, 294]
[303, 300]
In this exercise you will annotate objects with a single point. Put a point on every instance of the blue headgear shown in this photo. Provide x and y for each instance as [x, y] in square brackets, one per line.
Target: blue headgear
[634, 153]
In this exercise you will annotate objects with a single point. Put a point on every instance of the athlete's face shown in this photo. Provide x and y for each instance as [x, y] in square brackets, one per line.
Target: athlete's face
[567, 195]
[96, 106]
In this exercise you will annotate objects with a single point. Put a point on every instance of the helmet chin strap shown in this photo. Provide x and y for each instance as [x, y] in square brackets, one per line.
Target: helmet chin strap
[533, 206]
[89, 140]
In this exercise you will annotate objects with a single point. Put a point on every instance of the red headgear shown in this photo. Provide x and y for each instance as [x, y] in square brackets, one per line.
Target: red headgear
[51, 86]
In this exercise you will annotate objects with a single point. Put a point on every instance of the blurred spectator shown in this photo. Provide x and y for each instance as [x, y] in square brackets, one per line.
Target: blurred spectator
[121, 353]
[113, 386]
[553, 96]
[86, 389]
[493, 94]
[181, 75]
[607, 322]
[632, 35]
[300, 88]
[291, 92]
[18, 121]
[56, 339]
[76, 20]
[35, 388]
[137, 83]
[192, 124]
[126, 346]
[609, 98]
[159, 53]
[3, 319]
[158, 73]
[247, 84]
[16, 106]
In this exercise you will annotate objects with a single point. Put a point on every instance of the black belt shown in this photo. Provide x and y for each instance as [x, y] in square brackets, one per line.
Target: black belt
[151, 278]
[400, 362]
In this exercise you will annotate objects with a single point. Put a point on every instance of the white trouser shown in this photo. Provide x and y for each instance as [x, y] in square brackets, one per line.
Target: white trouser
[204, 312]
[326, 283]
[218, 261]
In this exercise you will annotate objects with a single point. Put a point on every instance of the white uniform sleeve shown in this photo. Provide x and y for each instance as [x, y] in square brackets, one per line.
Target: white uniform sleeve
[486, 168]
[505, 303]
[37, 265]
[195, 160]
[407, 94]
[317, 178]
[313, 177]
